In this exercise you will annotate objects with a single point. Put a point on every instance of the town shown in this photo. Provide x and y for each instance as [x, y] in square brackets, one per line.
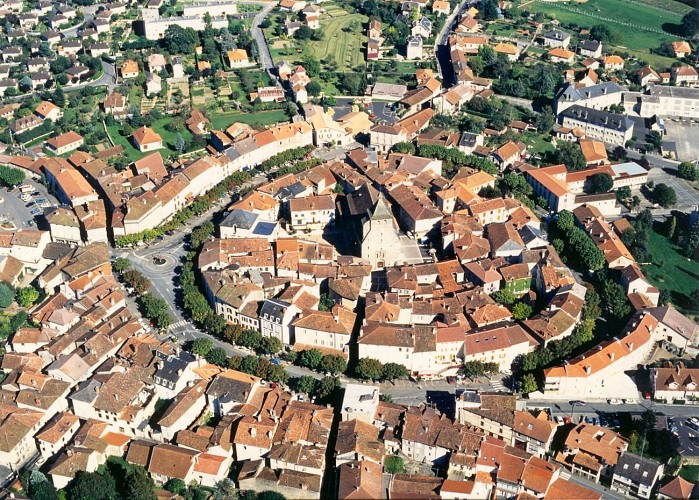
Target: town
[349, 249]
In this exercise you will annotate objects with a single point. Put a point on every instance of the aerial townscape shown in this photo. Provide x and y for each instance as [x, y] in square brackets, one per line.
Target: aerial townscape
[349, 249]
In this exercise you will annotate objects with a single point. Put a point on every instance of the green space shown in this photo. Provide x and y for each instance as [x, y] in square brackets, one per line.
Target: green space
[257, 119]
[690, 473]
[668, 5]
[340, 42]
[640, 26]
[671, 270]
[168, 137]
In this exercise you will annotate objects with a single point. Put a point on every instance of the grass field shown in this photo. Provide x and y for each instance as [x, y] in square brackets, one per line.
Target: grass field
[640, 26]
[672, 270]
[159, 126]
[668, 5]
[690, 472]
[258, 119]
[345, 47]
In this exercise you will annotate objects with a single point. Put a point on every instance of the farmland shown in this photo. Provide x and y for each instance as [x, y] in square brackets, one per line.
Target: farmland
[640, 26]
[340, 42]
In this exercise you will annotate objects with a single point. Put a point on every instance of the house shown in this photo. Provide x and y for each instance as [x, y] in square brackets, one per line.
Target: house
[499, 343]
[598, 96]
[681, 49]
[558, 55]
[327, 331]
[114, 103]
[276, 320]
[238, 58]
[146, 139]
[383, 137]
[312, 213]
[686, 75]
[177, 67]
[613, 63]
[422, 27]
[508, 154]
[648, 75]
[556, 39]
[590, 48]
[374, 30]
[595, 152]
[48, 111]
[413, 49]
[361, 479]
[675, 327]
[678, 489]
[129, 69]
[156, 63]
[598, 125]
[153, 84]
[510, 50]
[591, 374]
[441, 7]
[635, 475]
[674, 382]
[591, 452]
[412, 346]
[64, 143]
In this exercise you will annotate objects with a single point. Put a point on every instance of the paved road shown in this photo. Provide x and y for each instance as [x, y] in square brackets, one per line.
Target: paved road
[256, 31]
[442, 38]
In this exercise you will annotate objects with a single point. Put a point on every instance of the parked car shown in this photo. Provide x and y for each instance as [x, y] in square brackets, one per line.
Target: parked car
[614, 401]
[30, 204]
[35, 211]
[30, 222]
[275, 361]
[577, 403]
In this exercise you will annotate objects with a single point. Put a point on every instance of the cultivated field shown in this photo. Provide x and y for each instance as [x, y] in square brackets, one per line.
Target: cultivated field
[344, 46]
[639, 25]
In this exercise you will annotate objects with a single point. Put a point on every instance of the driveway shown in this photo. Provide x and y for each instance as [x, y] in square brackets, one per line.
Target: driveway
[687, 196]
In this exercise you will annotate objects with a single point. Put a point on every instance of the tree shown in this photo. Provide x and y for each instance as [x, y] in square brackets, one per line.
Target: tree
[139, 485]
[7, 296]
[176, 486]
[303, 33]
[565, 221]
[310, 358]
[688, 171]
[178, 40]
[504, 296]
[136, 280]
[121, 264]
[250, 339]
[623, 193]
[664, 195]
[11, 176]
[197, 305]
[602, 33]
[326, 302]
[528, 383]
[655, 141]
[155, 309]
[333, 364]
[369, 369]
[201, 233]
[270, 345]
[600, 183]
[40, 488]
[570, 155]
[393, 371]
[394, 464]
[179, 143]
[313, 88]
[92, 486]
[521, 311]
[545, 120]
[217, 356]
[690, 23]
[614, 299]
[27, 296]
[305, 384]
[489, 10]
[404, 147]
[325, 387]
[25, 83]
[202, 346]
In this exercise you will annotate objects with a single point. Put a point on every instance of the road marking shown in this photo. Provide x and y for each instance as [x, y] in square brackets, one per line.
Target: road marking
[179, 324]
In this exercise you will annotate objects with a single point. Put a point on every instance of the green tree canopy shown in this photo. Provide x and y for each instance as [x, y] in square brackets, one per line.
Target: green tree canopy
[333, 364]
[688, 171]
[664, 195]
[369, 369]
[202, 346]
[394, 464]
[600, 183]
[393, 371]
[7, 296]
[27, 295]
[310, 358]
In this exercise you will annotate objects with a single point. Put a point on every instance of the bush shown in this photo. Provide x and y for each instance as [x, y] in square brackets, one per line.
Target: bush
[7, 296]
[688, 171]
[27, 296]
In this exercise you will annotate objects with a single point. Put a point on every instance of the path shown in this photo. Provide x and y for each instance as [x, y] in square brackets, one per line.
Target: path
[256, 31]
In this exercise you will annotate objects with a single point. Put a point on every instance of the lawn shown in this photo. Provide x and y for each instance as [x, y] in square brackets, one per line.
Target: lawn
[690, 472]
[258, 119]
[672, 270]
[640, 26]
[159, 126]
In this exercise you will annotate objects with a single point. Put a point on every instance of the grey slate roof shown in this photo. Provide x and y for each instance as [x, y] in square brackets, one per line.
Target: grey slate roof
[637, 469]
[570, 94]
[599, 118]
[273, 309]
[240, 218]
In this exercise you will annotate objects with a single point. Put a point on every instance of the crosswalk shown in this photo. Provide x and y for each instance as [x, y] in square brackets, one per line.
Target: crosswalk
[179, 324]
[497, 385]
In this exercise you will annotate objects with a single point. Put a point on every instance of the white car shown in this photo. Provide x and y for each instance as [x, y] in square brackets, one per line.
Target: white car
[614, 401]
